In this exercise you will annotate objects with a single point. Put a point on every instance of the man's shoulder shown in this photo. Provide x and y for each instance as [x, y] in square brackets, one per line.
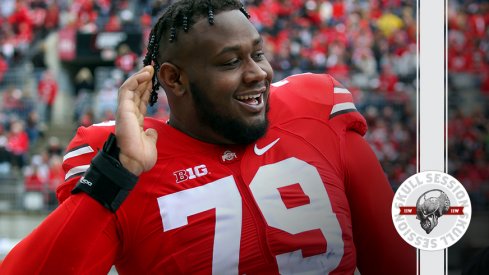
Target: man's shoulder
[315, 96]
[96, 134]
[305, 85]
[82, 149]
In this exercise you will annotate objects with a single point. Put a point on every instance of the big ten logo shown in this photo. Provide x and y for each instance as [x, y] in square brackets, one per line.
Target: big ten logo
[190, 173]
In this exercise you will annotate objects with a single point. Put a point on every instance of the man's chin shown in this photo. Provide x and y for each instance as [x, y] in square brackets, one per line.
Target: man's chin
[252, 133]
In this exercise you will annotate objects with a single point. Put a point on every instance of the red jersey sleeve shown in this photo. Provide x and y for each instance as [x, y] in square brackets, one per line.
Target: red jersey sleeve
[82, 148]
[344, 116]
[79, 153]
[80, 236]
[380, 250]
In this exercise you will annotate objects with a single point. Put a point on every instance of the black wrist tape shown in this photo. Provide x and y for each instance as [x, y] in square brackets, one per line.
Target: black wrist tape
[106, 180]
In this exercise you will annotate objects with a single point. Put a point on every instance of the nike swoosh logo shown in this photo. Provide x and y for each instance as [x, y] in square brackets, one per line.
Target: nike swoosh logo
[261, 151]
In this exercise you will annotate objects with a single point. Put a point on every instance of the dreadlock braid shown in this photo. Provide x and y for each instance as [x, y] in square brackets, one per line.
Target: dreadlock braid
[244, 11]
[182, 15]
[210, 13]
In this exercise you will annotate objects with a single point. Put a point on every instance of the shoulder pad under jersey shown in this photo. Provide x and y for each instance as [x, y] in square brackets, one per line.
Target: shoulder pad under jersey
[315, 95]
[79, 153]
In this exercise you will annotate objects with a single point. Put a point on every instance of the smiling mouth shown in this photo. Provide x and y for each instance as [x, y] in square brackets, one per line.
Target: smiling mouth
[255, 99]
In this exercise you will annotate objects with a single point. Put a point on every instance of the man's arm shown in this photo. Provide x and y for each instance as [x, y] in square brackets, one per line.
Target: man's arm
[380, 249]
[78, 237]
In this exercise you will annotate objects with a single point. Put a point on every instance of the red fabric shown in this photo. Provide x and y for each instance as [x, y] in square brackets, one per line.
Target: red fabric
[22, 22]
[232, 212]
[145, 20]
[388, 81]
[25, 33]
[126, 62]
[67, 44]
[47, 90]
[52, 16]
[20, 15]
[477, 25]
[33, 183]
[3, 68]
[363, 198]
[85, 12]
[338, 10]
[18, 143]
[113, 24]
[459, 61]
[86, 8]
[81, 232]
[293, 196]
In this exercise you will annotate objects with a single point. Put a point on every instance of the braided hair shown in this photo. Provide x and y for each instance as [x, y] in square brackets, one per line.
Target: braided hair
[181, 15]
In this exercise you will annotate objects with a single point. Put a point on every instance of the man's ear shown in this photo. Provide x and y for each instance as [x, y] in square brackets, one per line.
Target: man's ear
[172, 78]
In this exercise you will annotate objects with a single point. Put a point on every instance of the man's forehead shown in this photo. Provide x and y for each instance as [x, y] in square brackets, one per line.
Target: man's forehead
[203, 40]
[228, 26]
[224, 22]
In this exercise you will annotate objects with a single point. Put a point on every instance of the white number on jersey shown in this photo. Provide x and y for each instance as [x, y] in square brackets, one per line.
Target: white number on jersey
[223, 195]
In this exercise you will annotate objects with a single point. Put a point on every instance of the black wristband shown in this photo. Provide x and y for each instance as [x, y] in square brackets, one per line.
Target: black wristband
[106, 180]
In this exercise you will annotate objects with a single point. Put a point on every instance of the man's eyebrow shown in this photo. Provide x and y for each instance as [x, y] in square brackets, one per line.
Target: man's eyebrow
[258, 41]
[236, 48]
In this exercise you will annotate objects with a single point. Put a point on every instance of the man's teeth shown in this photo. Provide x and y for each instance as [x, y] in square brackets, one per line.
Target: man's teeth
[248, 97]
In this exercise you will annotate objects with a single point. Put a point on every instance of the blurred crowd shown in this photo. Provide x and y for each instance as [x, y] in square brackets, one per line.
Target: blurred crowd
[22, 25]
[369, 46]
[468, 68]
[23, 123]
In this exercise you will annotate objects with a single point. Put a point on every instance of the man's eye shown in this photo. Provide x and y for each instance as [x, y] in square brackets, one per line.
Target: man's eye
[259, 56]
[232, 62]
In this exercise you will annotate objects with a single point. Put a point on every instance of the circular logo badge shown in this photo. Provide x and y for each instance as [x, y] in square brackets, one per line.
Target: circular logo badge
[431, 210]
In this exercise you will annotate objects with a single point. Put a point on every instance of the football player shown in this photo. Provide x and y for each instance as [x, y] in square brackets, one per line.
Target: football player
[246, 176]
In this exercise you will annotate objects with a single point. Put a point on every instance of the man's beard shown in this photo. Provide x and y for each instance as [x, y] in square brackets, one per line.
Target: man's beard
[231, 128]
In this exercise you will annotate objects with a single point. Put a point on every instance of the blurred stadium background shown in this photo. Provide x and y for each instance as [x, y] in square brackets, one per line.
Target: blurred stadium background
[61, 62]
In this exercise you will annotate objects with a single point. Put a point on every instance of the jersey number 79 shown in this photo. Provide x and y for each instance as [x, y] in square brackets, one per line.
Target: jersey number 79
[223, 196]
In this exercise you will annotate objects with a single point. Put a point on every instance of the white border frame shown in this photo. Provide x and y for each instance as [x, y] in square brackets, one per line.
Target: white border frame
[432, 107]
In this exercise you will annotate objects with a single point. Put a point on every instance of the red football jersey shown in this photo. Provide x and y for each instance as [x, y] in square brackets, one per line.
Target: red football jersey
[281, 205]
